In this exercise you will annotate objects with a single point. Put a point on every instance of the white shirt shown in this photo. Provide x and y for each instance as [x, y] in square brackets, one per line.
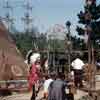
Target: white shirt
[77, 64]
[46, 84]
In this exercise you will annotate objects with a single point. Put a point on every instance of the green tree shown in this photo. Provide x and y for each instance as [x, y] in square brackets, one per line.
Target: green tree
[28, 41]
[77, 43]
[42, 41]
[90, 18]
[23, 42]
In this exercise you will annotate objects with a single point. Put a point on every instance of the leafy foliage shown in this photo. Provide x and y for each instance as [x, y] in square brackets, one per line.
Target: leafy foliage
[78, 44]
[80, 30]
[23, 42]
[90, 16]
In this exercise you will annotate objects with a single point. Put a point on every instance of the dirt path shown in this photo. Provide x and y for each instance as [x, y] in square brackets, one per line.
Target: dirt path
[22, 96]
[26, 96]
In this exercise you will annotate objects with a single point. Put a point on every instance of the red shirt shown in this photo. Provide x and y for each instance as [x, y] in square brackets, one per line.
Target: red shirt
[33, 76]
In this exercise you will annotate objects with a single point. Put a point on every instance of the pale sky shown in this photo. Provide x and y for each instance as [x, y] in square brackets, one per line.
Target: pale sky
[46, 13]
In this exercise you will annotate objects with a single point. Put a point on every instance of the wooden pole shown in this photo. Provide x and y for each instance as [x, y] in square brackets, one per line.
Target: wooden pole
[68, 24]
[89, 49]
[94, 68]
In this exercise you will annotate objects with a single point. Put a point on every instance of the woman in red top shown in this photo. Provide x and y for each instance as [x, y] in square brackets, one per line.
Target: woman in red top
[34, 72]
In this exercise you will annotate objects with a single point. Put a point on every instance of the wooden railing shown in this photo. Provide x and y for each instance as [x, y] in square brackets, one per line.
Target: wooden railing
[14, 85]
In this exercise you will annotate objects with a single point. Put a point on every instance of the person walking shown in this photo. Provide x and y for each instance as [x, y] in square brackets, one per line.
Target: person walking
[77, 65]
[57, 88]
[34, 73]
[49, 79]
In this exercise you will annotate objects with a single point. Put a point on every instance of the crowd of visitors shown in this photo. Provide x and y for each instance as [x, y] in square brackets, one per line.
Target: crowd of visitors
[55, 87]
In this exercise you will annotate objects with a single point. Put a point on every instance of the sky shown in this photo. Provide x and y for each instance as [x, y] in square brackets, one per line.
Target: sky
[45, 13]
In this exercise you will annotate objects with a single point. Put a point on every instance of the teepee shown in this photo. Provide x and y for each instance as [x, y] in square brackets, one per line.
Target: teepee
[12, 64]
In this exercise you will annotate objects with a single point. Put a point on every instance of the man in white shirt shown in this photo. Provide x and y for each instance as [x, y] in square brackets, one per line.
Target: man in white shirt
[77, 65]
[47, 83]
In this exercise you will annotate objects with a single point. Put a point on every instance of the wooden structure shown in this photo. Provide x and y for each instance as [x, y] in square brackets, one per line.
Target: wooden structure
[89, 74]
[12, 64]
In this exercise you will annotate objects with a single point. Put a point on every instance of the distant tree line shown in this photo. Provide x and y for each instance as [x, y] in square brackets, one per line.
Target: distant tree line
[27, 41]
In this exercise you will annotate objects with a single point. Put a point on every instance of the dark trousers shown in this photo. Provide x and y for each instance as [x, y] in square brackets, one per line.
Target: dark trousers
[78, 78]
[70, 96]
[33, 93]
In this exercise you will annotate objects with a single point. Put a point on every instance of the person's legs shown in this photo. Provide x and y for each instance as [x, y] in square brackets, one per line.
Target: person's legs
[80, 78]
[76, 78]
[70, 96]
[33, 93]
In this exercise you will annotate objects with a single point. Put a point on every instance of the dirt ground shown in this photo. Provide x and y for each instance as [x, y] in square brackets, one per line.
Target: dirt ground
[26, 96]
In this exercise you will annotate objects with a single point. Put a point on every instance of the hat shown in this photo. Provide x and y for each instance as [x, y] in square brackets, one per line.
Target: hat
[77, 64]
